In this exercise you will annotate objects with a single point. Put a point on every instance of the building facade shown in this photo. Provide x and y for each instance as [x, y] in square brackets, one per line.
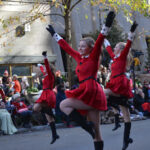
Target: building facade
[20, 53]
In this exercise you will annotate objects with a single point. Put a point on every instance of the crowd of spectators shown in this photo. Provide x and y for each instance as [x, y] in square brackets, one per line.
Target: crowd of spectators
[13, 103]
[140, 103]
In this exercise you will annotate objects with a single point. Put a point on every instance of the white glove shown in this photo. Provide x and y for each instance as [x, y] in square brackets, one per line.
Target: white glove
[57, 37]
[131, 36]
[105, 30]
[39, 65]
[106, 43]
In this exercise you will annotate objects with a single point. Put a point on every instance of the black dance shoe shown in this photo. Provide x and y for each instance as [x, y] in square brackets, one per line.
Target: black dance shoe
[54, 139]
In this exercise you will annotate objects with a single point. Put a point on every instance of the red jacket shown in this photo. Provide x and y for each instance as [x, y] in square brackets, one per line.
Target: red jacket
[17, 86]
[89, 91]
[119, 64]
[19, 106]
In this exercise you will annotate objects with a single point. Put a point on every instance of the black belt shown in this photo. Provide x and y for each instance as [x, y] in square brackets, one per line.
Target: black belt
[87, 79]
[118, 75]
[47, 89]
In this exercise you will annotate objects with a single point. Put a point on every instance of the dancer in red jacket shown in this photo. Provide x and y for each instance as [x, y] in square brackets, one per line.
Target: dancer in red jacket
[89, 95]
[118, 88]
[47, 100]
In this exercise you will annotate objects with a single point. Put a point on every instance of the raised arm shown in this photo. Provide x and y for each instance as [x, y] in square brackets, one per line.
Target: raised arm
[48, 69]
[109, 48]
[63, 44]
[104, 32]
[131, 36]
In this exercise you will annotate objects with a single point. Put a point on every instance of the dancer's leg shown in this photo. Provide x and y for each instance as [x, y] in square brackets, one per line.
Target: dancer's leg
[37, 107]
[51, 122]
[117, 120]
[94, 116]
[69, 104]
[69, 107]
[108, 92]
[127, 127]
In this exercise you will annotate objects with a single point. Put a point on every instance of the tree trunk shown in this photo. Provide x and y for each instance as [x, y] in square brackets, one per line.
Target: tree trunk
[68, 39]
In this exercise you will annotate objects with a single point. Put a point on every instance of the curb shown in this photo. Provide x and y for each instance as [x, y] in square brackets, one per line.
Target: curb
[38, 128]
[59, 126]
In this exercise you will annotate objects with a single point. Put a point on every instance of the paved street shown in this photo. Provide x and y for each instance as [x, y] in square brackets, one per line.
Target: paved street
[77, 139]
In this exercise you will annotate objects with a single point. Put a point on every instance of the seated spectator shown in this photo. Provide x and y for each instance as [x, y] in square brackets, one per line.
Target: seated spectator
[9, 87]
[22, 110]
[17, 86]
[6, 124]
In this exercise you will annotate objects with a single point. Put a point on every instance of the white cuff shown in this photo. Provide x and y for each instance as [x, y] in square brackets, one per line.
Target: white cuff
[57, 37]
[106, 43]
[105, 30]
[45, 57]
[39, 65]
[131, 36]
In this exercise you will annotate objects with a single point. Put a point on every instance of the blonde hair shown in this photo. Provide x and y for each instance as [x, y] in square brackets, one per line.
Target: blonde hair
[122, 45]
[89, 41]
[129, 60]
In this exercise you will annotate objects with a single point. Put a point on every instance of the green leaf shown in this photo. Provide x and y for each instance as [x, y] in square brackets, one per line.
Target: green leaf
[86, 16]
[65, 7]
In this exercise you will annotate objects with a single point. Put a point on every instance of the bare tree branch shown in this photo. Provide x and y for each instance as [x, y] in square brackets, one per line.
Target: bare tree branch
[75, 4]
[55, 14]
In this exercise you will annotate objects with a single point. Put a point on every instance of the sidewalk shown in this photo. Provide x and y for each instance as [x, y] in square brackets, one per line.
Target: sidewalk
[36, 128]
[62, 125]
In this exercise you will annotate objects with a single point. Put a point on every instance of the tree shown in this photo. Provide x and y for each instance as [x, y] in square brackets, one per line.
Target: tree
[127, 6]
[41, 9]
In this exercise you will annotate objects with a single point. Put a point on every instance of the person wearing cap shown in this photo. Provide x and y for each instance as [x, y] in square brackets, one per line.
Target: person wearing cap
[5, 76]
[47, 100]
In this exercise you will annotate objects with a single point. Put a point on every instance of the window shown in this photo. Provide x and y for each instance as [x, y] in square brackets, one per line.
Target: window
[21, 70]
[18, 69]
[2, 69]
